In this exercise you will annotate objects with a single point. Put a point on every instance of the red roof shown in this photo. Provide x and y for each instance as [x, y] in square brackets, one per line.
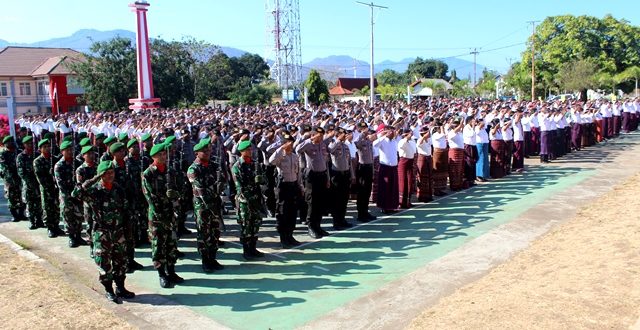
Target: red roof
[337, 90]
[355, 83]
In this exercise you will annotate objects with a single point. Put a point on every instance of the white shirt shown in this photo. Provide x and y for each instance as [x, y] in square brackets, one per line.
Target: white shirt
[424, 148]
[518, 132]
[456, 141]
[407, 148]
[469, 135]
[388, 150]
[439, 140]
[481, 135]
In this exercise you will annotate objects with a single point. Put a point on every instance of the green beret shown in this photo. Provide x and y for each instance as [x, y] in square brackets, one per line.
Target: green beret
[123, 136]
[68, 138]
[27, 139]
[82, 135]
[131, 143]
[43, 142]
[156, 149]
[85, 141]
[49, 135]
[86, 149]
[244, 145]
[7, 139]
[110, 139]
[170, 139]
[116, 146]
[100, 136]
[65, 145]
[145, 137]
[201, 145]
[205, 140]
[104, 166]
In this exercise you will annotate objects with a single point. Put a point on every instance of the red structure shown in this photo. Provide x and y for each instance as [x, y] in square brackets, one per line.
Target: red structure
[146, 99]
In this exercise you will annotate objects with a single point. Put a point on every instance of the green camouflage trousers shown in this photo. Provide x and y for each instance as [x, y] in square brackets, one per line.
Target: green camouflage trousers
[50, 208]
[164, 245]
[71, 214]
[249, 219]
[109, 253]
[208, 225]
[13, 194]
[31, 197]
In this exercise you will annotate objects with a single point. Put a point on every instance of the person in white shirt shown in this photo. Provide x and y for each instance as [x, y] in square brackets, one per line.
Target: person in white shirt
[607, 120]
[482, 145]
[407, 150]
[576, 128]
[545, 135]
[440, 170]
[388, 194]
[518, 143]
[456, 155]
[470, 152]
[424, 161]
[496, 162]
[616, 110]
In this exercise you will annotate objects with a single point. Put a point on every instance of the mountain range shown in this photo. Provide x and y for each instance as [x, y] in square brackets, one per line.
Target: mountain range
[330, 67]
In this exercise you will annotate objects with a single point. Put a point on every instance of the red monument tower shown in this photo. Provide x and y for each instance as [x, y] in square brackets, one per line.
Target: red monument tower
[146, 99]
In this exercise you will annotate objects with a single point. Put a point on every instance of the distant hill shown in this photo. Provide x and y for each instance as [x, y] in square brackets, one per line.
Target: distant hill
[330, 67]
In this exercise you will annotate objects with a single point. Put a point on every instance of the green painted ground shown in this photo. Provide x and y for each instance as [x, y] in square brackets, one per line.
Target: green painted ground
[291, 289]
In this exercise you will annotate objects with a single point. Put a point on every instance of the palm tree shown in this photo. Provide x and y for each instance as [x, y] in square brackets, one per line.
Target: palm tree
[632, 72]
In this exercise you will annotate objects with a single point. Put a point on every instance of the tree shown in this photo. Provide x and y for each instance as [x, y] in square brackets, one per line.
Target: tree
[487, 84]
[392, 77]
[577, 76]
[389, 92]
[631, 73]
[108, 75]
[171, 63]
[427, 69]
[252, 66]
[317, 89]
[454, 77]
[437, 88]
[461, 88]
[253, 95]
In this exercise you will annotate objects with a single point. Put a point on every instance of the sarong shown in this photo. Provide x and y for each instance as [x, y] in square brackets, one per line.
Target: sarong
[496, 166]
[440, 169]
[424, 165]
[456, 168]
[387, 187]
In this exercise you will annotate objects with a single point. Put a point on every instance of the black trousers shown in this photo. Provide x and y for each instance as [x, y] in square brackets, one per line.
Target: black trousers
[315, 193]
[364, 177]
[287, 206]
[269, 194]
[340, 183]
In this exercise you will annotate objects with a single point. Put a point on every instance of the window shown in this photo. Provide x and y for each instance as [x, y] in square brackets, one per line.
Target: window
[42, 88]
[25, 88]
[3, 89]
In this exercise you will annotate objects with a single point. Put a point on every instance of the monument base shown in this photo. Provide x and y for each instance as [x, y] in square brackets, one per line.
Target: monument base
[144, 103]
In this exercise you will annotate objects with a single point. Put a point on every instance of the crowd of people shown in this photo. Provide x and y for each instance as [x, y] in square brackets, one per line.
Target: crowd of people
[133, 176]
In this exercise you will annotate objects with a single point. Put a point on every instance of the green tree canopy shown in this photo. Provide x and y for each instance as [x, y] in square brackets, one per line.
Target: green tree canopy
[392, 77]
[429, 68]
[317, 89]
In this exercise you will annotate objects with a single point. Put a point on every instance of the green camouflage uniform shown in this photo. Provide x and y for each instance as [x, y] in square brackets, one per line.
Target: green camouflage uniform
[248, 198]
[42, 167]
[12, 184]
[30, 191]
[106, 156]
[135, 197]
[180, 180]
[109, 246]
[85, 172]
[162, 225]
[70, 207]
[206, 206]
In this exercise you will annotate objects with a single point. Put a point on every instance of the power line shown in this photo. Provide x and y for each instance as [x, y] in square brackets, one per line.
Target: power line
[371, 78]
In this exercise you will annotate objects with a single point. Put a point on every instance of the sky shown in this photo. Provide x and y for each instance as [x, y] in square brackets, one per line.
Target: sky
[407, 29]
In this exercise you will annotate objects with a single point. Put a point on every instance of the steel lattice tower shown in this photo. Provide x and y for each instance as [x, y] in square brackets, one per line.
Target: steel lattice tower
[283, 38]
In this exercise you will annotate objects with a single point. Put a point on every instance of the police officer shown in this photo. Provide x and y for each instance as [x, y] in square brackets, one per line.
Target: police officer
[342, 176]
[317, 179]
[364, 172]
[288, 188]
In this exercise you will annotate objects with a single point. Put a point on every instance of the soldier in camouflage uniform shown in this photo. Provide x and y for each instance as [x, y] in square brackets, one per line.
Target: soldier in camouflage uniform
[147, 143]
[12, 183]
[84, 172]
[107, 201]
[30, 191]
[204, 177]
[107, 144]
[70, 207]
[135, 197]
[180, 180]
[43, 168]
[118, 150]
[99, 145]
[160, 195]
[248, 199]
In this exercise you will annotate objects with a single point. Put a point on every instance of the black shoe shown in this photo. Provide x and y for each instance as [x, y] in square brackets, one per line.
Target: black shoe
[207, 267]
[59, 231]
[81, 241]
[323, 232]
[314, 233]
[173, 277]
[121, 291]
[216, 265]
[112, 297]
[284, 242]
[132, 264]
[371, 217]
[14, 215]
[246, 250]
[33, 226]
[40, 224]
[165, 283]
[254, 251]
[292, 241]
[73, 243]
[51, 233]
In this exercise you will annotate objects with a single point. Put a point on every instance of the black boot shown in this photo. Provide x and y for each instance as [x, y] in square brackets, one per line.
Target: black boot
[284, 241]
[214, 263]
[81, 240]
[292, 240]
[254, 251]
[173, 277]
[58, 231]
[33, 225]
[73, 243]
[121, 291]
[164, 279]
[22, 213]
[246, 250]
[40, 223]
[108, 288]
[206, 265]
[14, 214]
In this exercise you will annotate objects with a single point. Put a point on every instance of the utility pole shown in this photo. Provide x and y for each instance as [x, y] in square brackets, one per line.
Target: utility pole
[533, 60]
[372, 94]
[475, 76]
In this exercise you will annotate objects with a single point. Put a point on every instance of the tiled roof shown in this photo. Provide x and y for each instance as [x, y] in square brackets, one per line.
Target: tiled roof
[337, 90]
[28, 61]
